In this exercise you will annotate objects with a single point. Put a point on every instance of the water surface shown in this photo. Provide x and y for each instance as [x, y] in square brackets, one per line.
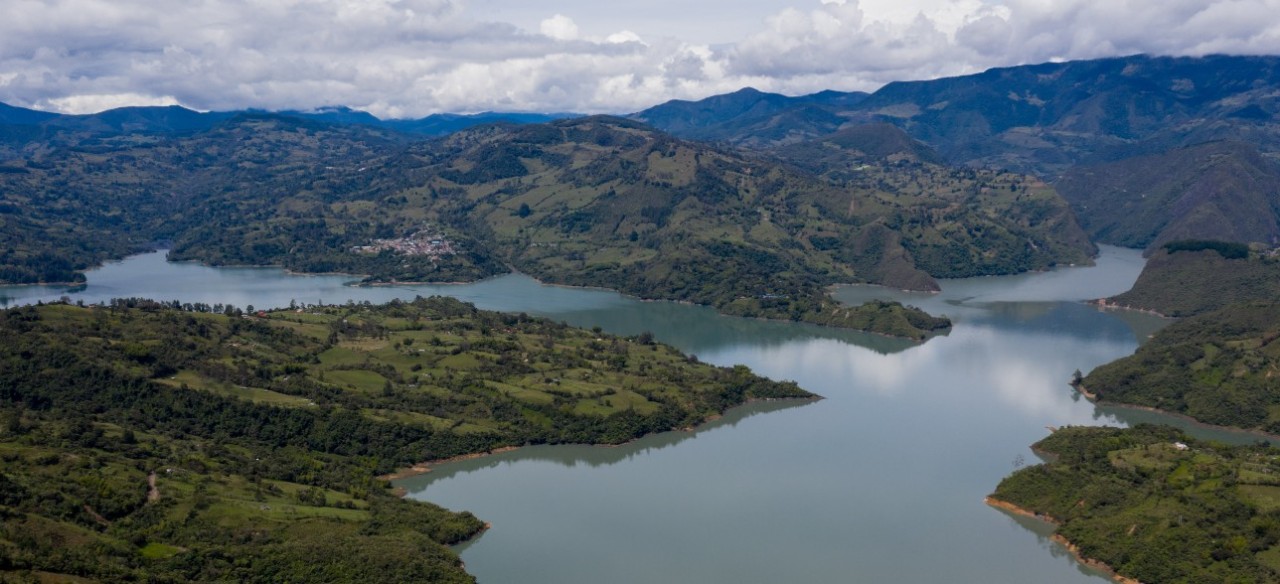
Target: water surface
[882, 481]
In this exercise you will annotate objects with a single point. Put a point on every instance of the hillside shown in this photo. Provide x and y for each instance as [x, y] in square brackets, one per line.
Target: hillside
[591, 201]
[64, 210]
[1038, 119]
[1146, 149]
[605, 202]
[1190, 282]
[1046, 117]
[752, 118]
[1156, 505]
[855, 146]
[1220, 190]
[1219, 367]
[144, 441]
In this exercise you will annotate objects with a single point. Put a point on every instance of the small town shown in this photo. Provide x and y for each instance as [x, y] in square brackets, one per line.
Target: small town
[421, 243]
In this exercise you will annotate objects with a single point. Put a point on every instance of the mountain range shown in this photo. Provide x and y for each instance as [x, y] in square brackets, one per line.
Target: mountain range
[1122, 138]
[788, 194]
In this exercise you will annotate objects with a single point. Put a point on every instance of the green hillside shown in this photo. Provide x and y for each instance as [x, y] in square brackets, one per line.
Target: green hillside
[1190, 282]
[593, 201]
[146, 441]
[1155, 505]
[1220, 190]
[663, 218]
[1221, 367]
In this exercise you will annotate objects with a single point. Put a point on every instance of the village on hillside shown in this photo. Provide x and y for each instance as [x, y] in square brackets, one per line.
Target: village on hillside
[422, 243]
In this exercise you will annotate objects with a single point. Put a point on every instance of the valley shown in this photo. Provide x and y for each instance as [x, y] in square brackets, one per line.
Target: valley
[934, 257]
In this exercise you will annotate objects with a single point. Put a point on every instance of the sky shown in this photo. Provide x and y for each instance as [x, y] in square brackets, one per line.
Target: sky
[411, 58]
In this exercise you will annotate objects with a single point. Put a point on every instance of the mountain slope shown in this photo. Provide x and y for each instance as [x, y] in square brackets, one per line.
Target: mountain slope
[1195, 281]
[605, 202]
[1046, 117]
[750, 117]
[594, 201]
[1219, 367]
[1218, 190]
[23, 116]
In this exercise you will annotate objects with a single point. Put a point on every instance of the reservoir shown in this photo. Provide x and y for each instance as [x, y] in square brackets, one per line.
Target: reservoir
[882, 481]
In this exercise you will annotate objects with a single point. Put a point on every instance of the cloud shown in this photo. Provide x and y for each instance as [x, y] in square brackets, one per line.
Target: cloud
[560, 27]
[98, 102]
[408, 58]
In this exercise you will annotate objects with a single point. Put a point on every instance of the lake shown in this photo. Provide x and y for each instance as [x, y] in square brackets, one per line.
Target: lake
[882, 481]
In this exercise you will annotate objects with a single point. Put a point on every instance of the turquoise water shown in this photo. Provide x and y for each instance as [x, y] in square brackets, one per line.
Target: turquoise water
[882, 481]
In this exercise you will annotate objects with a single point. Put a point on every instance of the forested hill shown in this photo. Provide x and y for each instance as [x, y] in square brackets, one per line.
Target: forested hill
[1220, 190]
[1189, 277]
[1156, 505]
[599, 201]
[1221, 367]
[607, 202]
[1147, 149]
[166, 443]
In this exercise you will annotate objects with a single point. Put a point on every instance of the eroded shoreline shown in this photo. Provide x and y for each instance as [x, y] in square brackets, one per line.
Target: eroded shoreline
[1064, 542]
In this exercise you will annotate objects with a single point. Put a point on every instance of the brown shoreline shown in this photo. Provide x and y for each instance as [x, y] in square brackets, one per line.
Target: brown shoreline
[1093, 397]
[425, 467]
[1064, 542]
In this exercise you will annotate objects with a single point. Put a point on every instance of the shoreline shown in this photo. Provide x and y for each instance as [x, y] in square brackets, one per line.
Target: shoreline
[1092, 397]
[1103, 304]
[358, 282]
[425, 467]
[1064, 542]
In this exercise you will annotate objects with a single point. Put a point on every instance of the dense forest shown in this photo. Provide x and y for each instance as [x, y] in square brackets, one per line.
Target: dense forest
[169, 442]
[1156, 505]
[1220, 367]
[1185, 278]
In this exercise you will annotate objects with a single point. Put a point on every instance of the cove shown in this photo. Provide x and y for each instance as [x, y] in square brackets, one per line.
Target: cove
[883, 481]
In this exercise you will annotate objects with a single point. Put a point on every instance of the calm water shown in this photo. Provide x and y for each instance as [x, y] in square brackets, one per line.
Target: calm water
[882, 481]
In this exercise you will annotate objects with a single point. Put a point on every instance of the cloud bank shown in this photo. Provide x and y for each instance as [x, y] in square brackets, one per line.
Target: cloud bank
[409, 58]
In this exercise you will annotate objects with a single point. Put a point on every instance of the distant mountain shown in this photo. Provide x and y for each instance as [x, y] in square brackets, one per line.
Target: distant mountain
[1049, 116]
[1031, 118]
[22, 128]
[751, 117]
[22, 116]
[66, 208]
[337, 115]
[444, 124]
[1146, 149]
[1223, 190]
[140, 120]
[432, 125]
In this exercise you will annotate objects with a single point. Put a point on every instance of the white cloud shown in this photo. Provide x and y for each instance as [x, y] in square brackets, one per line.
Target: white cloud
[86, 104]
[560, 27]
[415, 57]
